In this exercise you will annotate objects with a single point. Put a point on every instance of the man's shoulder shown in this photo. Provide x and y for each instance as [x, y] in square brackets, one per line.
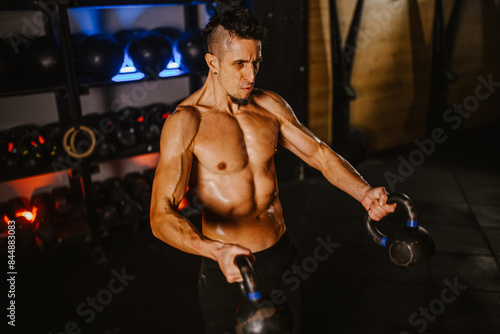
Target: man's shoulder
[273, 103]
[184, 113]
[183, 123]
[267, 97]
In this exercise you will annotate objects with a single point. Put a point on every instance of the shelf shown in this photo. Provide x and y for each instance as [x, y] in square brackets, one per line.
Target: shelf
[20, 173]
[68, 93]
[11, 5]
[140, 149]
[83, 83]
[32, 88]
[113, 3]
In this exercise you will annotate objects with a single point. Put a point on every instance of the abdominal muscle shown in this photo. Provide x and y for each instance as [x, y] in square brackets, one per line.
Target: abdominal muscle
[241, 208]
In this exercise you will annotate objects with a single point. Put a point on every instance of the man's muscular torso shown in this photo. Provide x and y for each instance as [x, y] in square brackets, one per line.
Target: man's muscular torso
[233, 173]
[221, 142]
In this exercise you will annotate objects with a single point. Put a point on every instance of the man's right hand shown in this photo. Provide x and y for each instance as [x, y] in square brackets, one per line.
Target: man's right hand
[225, 256]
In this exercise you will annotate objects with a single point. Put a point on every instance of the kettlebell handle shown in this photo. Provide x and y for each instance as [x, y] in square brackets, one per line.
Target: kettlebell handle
[249, 280]
[412, 222]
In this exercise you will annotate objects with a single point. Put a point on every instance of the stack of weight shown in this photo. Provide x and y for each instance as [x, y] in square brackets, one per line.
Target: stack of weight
[123, 205]
[52, 217]
[22, 147]
[30, 146]
[38, 61]
[100, 56]
[151, 50]
[126, 129]
[38, 221]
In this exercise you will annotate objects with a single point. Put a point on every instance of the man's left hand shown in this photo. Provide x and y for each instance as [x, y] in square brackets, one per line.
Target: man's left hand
[375, 201]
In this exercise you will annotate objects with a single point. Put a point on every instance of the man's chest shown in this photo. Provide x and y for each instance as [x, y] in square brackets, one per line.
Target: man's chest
[229, 143]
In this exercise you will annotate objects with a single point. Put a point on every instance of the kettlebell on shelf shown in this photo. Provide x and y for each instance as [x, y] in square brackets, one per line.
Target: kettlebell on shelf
[257, 314]
[410, 247]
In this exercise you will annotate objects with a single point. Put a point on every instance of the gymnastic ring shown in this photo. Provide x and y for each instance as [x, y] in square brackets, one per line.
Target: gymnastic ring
[70, 149]
[92, 141]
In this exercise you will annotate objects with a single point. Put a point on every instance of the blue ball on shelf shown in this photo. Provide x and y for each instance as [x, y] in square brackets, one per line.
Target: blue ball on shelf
[101, 56]
[191, 48]
[170, 33]
[8, 63]
[44, 60]
[150, 52]
[125, 36]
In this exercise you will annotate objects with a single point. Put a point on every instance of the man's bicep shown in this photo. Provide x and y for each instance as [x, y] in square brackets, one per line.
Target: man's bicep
[171, 180]
[300, 141]
[176, 157]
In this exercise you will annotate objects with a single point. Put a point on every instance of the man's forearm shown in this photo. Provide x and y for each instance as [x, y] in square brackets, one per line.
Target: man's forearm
[342, 174]
[175, 230]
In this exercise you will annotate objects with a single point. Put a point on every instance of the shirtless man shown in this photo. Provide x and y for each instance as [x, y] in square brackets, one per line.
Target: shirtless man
[221, 142]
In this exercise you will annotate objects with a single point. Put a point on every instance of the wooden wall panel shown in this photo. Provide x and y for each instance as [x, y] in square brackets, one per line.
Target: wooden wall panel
[477, 53]
[391, 72]
[319, 69]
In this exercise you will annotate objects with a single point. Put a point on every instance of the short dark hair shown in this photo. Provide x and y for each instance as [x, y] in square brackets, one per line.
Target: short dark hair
[238, 22]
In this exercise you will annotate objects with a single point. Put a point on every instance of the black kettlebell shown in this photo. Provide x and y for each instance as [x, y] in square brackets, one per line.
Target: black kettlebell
[125, 123]
[410, 247]
[107, 213]
[52, 135]
[257, 314]
[45, 228]
[27, 139]
[103, 128]
[154, 116]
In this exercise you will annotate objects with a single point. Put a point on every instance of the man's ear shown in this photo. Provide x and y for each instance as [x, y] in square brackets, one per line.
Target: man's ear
[212, 62]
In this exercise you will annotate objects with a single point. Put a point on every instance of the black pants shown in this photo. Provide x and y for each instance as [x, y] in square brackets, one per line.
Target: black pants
[219, 299]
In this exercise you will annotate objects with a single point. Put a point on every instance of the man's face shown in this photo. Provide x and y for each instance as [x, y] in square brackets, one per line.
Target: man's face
[239, 63]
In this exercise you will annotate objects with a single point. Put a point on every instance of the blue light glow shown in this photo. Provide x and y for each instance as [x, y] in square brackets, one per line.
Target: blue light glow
[128, 77]
[128, 69]
[173, 65]
[88, 20]
[170, 73]
[128, 65]
[129, 73]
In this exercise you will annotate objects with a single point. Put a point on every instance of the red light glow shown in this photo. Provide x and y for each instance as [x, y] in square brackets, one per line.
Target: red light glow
[28, 215]
[184, 203]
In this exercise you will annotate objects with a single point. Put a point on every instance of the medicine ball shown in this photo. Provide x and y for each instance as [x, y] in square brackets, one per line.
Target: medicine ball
[125, 36]
[7, 62]
[190, 47]
[101, 56]
[43, 59]
[170, 33]
[150, 52]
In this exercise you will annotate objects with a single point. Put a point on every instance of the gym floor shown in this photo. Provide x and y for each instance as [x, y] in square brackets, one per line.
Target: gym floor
[146, 286]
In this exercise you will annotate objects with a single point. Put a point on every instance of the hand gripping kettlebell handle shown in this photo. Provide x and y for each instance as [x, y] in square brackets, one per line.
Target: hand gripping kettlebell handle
[249, 280]
[412, 222]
